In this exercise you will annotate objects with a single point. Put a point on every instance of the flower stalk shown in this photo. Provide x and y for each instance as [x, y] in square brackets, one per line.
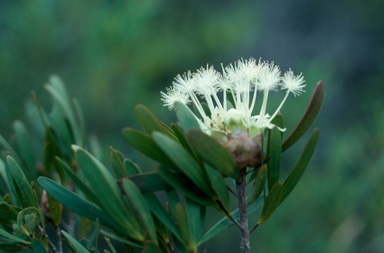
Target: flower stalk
[242, 202]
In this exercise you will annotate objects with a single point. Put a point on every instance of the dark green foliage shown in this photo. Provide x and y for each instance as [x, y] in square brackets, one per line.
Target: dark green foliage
[194, 172]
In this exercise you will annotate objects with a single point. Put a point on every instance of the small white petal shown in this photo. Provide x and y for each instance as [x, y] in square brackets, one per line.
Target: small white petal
[292, 83]
[269, 77]
[207, 80]
[172, 96]
[185, 83]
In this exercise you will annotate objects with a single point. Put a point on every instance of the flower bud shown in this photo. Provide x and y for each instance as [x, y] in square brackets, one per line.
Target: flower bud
[245, 151]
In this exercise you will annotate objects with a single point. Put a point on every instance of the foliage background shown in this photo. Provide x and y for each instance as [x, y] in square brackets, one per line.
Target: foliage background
[116, 54]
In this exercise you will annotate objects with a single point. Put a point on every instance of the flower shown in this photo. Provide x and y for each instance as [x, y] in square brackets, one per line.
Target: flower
[239, 85]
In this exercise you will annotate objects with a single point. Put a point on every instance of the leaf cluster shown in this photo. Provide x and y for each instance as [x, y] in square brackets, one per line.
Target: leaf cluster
[162, 209]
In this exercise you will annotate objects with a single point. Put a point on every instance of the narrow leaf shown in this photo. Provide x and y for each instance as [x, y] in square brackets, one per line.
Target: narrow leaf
[272, 202]
[8, 213]
[225, 222]
[75, 244]
[137, 201]
[213, 153]
[38, 246]
[184, 185]
[149, 182]
[24, 146]
[78, 182]
[161, 214]
[274, 154]
[57, 89]
[131, 168]
[27, 219]
[11, 237]
[301, 164]
[3, 174]
[186, 118]
[22, 186]
[193, 210]
[183, 160]
[120, 239]
[182, 139]
[118, 165]
[144, 144]
[8, 148]
[56, 210]
[183, 225]
[219, 186]
[150, 123]
[77, 204]
[259, 182]
[308, 117]
[107, 191]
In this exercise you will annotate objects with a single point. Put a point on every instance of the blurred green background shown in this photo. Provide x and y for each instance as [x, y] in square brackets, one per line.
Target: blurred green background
[115, 54]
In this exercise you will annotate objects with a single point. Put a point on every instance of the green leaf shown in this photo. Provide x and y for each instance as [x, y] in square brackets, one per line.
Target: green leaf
[213, 153]
[56, 210]
[77, 204]
[27, 219]
[22, 186]
[78, 182]
[274, 154]
[259, 182]
[81, 120]
[183, 224]
[11, 237]
[272, 202]
[308, 117]
[186, 118]
[137, 201]
[183, 160]
[118, 165]
[75, 244]
[301, 164]
[183, 184]
[219, 186]
[193, 210]
[150, 123]
[149, 182]
[110, 245]
[173, 200]
[63, 106]
[131, 168]
[8, 213]
[24, 146]
[53, 149]
[4, 175]
[182, 139]
[225, 222]
[119, 238]
[38, 246]
[144, 144]
[8, 148]
[151, 248]
[161, 214]
[107, 191]
[279, 121]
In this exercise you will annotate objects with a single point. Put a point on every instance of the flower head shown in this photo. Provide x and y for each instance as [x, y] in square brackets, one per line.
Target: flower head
[239, 83]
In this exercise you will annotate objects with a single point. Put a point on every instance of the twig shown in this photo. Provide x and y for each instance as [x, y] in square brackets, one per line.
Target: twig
[254, 227]
[59, 240]
[240, 186]
[231, 191]
[228, 214]
[50, 244]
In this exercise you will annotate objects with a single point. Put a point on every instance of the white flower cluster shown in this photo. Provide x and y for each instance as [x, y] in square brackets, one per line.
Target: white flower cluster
[243, 81]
